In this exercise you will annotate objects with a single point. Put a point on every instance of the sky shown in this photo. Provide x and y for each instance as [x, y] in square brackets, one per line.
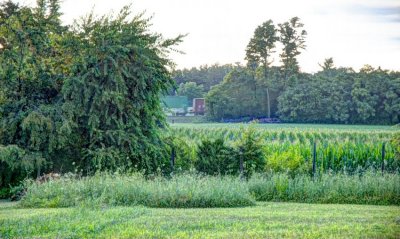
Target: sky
[353, 32]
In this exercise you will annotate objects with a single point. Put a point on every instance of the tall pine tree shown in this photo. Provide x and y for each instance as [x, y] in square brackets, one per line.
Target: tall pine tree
[112, 100]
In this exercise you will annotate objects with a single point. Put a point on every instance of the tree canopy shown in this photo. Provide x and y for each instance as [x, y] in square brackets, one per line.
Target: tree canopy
[84, 96]
[332, 95]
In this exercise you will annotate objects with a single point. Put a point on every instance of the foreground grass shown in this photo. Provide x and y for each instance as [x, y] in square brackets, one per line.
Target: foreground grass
[265, 220]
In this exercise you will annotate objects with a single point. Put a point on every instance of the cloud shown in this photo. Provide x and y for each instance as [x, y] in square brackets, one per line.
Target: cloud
[396, 39]
[386, 13]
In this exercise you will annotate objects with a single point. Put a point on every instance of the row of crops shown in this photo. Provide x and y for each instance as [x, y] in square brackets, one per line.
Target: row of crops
[291, 149]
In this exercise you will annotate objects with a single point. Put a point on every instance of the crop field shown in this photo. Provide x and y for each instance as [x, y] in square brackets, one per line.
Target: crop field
[265, 220]
[382, 128]
[338, 147]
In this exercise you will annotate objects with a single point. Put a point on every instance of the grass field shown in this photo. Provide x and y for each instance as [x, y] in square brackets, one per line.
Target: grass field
[266, 220]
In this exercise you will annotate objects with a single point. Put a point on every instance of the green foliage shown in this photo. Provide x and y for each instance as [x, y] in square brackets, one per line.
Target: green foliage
[288, 148]
[342, 96]
[222, 191]
[183, 191]
[249, 148]
[369, 188]
[108, 101]
[290, 161]
[262, 45]
[234, 97]
[214, 157]
[258, 52]
[333, 95]
[80, 97]
[191, 90]
[206, 75]
[292, 36]
[181, 151]
[396, 146]
[327, 65]
[32, 64]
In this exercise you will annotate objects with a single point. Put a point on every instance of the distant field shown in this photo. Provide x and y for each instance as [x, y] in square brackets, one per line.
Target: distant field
[338, 147]
[291, 126]
[266, 220]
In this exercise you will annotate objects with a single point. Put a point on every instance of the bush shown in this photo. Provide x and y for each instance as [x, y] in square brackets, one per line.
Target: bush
[370, 188]
[216, 158]
[182, 191]
[182, 151]
[249, 148]
[290, 161]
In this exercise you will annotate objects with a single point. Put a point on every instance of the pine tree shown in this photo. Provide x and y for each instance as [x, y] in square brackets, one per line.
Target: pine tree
[112, 99]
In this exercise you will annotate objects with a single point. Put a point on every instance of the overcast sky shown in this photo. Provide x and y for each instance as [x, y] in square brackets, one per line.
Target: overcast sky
[353, 32]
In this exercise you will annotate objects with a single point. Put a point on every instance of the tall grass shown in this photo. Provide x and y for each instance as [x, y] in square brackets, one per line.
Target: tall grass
[369, 188]
[119, 190]
[188, 191]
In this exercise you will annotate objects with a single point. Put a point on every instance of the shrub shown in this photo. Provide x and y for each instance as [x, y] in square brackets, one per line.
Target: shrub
[181, 191]
[249, 148]
[182, 151]
[290, 161]
[216, 158]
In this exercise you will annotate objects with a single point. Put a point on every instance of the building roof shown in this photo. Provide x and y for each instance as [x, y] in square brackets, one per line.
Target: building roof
[175, 101]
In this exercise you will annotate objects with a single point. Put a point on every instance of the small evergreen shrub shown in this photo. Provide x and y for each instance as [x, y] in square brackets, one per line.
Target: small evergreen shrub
[214, 157]
[249, 148]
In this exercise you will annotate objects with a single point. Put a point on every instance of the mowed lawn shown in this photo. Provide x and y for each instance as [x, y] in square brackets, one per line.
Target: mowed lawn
[266, 220]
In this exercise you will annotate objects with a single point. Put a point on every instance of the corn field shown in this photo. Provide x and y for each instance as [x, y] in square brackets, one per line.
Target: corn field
[337, 150]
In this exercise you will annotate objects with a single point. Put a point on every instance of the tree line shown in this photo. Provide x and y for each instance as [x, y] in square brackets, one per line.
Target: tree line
[261, 89]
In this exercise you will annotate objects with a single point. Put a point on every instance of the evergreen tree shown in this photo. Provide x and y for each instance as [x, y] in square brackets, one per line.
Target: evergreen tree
[292, 36]
[258, 53]
[30, 81]
[112, 99]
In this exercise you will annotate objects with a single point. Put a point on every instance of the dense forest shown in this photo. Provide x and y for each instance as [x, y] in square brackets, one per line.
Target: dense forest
[332, 95]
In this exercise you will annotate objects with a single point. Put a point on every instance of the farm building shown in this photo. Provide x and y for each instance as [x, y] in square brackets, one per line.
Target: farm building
[179, 106]
[175, 105]
[199, 106]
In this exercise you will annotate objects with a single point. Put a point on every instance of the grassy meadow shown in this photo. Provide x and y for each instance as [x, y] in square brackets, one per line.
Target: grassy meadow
[265, 220]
